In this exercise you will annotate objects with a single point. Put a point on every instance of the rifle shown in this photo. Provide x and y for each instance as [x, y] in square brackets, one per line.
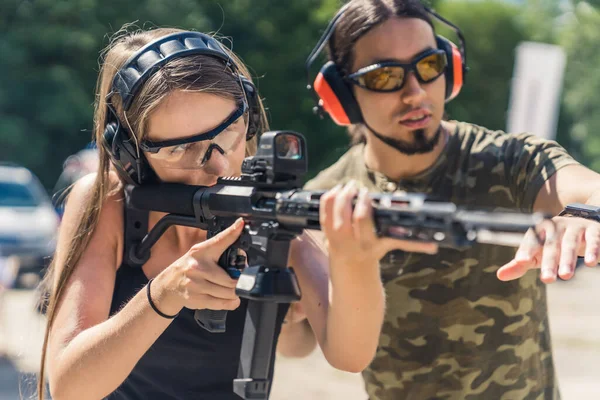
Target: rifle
[276, 210]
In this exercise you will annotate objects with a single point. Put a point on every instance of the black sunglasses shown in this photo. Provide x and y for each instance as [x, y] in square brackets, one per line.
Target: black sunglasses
[390, 76]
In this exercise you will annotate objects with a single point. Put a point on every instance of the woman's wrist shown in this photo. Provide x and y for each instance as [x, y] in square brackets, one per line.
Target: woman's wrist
[154, 307]
[164, 298]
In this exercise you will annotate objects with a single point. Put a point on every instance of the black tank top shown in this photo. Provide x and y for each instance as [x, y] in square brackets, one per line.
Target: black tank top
[186, 361]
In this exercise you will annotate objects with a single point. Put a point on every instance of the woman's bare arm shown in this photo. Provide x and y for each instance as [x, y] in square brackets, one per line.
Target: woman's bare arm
[89, 355]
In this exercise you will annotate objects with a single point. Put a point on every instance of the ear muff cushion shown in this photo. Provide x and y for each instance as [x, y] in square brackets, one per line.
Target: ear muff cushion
[112, 146]
[254, 114]
[123, 155]
[108, 139]
[336, 96]
[454, 70]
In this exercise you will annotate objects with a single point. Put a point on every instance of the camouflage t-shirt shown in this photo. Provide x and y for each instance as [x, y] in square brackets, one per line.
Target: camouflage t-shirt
[452, 330]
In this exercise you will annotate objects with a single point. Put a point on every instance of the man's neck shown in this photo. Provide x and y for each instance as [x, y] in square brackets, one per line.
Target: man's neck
[395, 165]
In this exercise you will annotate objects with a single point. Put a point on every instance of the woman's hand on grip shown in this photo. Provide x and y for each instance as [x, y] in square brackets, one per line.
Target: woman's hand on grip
[196, 281]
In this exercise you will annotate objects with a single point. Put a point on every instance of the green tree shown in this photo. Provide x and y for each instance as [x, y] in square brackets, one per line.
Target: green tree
[53, 47]
[581, 39]
[492, 33]
[540, 19]
[46, 96]
[543, 21]
[48, 79]
[274, 38]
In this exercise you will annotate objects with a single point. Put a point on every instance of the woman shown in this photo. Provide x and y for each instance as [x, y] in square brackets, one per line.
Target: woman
[176, 106]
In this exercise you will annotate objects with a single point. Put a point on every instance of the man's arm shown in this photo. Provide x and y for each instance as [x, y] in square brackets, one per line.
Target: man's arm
[342, 291]
[571, 184]
[342, 315]
[297, 338]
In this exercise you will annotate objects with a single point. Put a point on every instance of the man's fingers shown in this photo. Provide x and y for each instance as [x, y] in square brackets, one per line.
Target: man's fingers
[592, 245]
[514, 269]
[342, 209]
[530, 246]
[390, 244]
[326, 209]
[364, 228]
[526, 257]
[550, 254]
[571, 241]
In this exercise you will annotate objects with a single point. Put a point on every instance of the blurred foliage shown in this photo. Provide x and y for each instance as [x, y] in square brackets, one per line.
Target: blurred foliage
[50, 51]
[581, 38]
[575, 26]
[539, 18]
[49, 65]
[491, 38]
[274, 39]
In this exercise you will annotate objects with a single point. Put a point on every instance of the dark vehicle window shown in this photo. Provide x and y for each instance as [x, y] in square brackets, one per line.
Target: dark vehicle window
[15, 195]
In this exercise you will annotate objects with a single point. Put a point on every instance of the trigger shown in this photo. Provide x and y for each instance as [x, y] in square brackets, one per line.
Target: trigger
[240, 260]
[235, 263]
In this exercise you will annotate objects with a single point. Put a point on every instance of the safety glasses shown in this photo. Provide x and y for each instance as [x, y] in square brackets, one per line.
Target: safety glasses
[390, 76]
[193, 152]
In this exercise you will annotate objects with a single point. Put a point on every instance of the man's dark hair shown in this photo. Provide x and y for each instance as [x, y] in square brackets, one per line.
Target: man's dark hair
[359, 17]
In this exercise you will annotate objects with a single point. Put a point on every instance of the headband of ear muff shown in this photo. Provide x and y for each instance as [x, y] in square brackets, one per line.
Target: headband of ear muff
[334, 96]
[129, 162]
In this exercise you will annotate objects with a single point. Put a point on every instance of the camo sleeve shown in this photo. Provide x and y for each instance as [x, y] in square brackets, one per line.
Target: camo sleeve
[349, 167]
[530, 161]
[323, 181]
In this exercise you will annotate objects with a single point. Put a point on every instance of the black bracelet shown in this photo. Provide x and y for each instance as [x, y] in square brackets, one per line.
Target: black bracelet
[152, 303]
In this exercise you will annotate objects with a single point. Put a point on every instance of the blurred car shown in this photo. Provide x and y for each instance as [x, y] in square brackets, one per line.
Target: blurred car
[28, 223]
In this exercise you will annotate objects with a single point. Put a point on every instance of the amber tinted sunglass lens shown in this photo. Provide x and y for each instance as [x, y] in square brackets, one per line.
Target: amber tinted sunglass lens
[383, 78]
[431, 66]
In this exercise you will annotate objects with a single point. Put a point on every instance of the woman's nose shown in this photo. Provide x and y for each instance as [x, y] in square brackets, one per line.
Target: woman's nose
[217, 163]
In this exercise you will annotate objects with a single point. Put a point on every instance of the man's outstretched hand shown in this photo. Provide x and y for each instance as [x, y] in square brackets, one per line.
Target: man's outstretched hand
[555, 249]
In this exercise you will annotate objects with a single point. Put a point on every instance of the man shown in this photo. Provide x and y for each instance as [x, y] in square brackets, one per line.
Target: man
[458, 324]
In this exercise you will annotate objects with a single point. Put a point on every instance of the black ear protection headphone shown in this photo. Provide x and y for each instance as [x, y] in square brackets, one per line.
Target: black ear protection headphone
[334, 95]
[130, 163]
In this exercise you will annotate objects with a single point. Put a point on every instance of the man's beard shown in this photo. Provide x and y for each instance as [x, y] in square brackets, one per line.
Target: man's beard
[420, 144]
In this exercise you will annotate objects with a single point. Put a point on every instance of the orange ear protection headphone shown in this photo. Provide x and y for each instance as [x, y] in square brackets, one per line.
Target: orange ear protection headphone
[333, 94]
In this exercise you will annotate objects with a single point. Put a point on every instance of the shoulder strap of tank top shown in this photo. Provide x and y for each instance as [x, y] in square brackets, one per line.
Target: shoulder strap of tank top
[136, 227]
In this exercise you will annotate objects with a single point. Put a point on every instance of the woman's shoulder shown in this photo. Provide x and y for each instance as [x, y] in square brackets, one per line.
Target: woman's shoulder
[92, 190]
[99, 201]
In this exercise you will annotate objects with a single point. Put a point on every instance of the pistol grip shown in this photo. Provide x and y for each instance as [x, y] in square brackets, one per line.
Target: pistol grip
[211, 320]
[214, 321]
